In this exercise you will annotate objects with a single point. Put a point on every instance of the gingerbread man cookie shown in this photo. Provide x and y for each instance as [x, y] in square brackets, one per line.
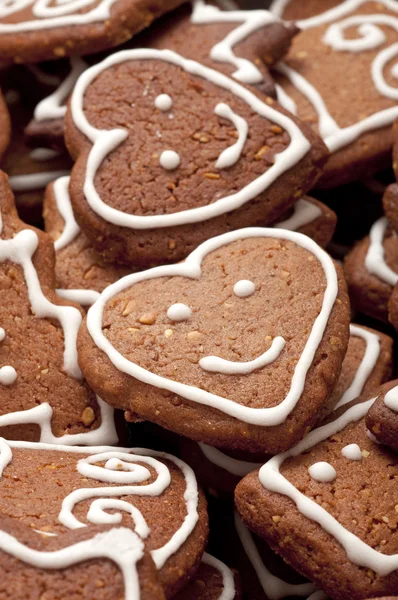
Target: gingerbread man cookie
[145, 496]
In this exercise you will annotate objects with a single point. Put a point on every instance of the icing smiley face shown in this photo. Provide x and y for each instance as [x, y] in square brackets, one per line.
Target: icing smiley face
[216, 347]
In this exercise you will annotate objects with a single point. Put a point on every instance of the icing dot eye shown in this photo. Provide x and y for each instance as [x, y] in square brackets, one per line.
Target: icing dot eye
[179, 312]
[352, 452]
[7, 375]
[244, 288]
[169, 160]
[163, 102]
[2, 334]
[323, 472]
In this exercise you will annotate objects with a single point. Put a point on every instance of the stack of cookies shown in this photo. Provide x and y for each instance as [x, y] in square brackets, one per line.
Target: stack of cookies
[198, 300]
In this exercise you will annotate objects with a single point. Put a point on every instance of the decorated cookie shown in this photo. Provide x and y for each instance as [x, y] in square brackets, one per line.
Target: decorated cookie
[371, 270]
[366, 365]
[382, 419]
[352, 44]
[205, 348]
[5, 126]
[207, 156]
[312, 218]
[80, 272]
[49, 490]
[43, 395]
[328, 507]
[213, 581]
[34, 31]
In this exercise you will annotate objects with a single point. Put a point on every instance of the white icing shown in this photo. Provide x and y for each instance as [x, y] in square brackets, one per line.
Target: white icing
[375, 262]
[304, 212]
[81, 296]
[106, 141]
[53, 106]
[352, 452]
[214, 364]
[179, 312]
[169, 160]
[244, 288]
[8, 375]
[2, 334]
[62, 13]
[228, 589]
[43, 154]
[231, 155]
[163, 102]
[391, 399]
[274, 588]
[323, 472]
[240, 468]
[64, 207]
[251, 21]
[285, 100]
[191, 268]
[365, 369]
[271, 478]
[34, 181]
[371, 37]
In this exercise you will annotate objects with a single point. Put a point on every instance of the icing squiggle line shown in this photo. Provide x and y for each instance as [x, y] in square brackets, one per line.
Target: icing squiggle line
[49, 17]
[191, 268]
[41, 415]
[64, 207]
[53, 106]
[214, 364]
[81, 296]
[34, 181]
[285, 100]
[240, 468]
[104, 142]
[274, 587]
[304, 213]
[231, 155]
[228, 591]
[252, 20]
[358, 552]
[375, 262]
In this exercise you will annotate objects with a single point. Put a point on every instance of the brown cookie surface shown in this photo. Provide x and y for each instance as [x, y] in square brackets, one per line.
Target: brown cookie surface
[201, 164]
[201, 347]
[328, 66]
[328, 507]
[382, 419]
[32, 32]
[53, 489]
[5, 126]
[43, 395]
[213, 580]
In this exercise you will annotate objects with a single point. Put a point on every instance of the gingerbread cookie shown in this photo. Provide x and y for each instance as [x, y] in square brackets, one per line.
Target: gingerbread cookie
[32, 31]
[393, 307]
[366, 365]
[312, 218]
[352, 44]
[213, 581]
[328, 507]
[202, 346]
[371, 271]
[49, 490]
[43, 395]
[382, 419]
[207, 156]
[80, 272]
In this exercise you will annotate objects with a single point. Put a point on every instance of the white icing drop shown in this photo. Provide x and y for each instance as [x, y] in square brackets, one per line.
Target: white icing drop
[8, 375]
[169, 160]
[179, 312]
[2, 334]
[244, 288]
[352, 452]
[163, 102]
[323, 472]
[375, 261]
[191, 268]
[391, 399]
[305, 212]
[231, 155]
[274, 588]
[43, 154]
[34, 181]
[228, 580]
[106, 141]
[271, 478]
[236, 467]
[214, 364]
[64, 207]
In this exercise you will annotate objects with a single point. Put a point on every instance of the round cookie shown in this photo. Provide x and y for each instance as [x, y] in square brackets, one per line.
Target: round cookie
[328, 507]
[382, 419]
[42, 392]
[56, 489]
[200, 347]
[80, 272]
[329, 64]
[371, 271]
[204, 166]
[31, 32]
[213, 581]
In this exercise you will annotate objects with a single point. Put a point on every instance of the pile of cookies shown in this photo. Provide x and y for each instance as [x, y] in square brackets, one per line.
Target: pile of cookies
[198, 300]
